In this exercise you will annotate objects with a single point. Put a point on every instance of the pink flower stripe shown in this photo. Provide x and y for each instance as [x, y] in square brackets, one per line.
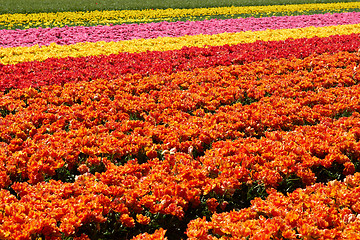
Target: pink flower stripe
[72, 35]
[61, 71]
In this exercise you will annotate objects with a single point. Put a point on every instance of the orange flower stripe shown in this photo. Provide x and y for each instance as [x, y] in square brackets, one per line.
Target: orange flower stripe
[166, 143]
[297, 115]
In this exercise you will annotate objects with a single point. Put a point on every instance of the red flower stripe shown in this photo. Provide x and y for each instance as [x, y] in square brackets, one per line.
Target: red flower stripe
[60, 71]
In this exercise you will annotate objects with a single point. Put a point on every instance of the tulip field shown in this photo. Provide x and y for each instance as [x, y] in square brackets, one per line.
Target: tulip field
[228, 122]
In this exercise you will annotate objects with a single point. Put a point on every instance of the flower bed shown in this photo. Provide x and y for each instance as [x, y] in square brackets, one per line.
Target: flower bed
[253, 133]
[37, 53]
[115, 33]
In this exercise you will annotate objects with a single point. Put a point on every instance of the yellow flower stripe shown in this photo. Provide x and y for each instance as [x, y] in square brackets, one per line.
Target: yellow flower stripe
[36, 53]
[107, 17]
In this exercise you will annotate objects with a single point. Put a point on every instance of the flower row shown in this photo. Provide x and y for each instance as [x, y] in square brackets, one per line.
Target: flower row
[57, 127]
[73, 35]
[318, 212]
[60, 19]
[134, 194]
[37, 53]
[60, 71]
